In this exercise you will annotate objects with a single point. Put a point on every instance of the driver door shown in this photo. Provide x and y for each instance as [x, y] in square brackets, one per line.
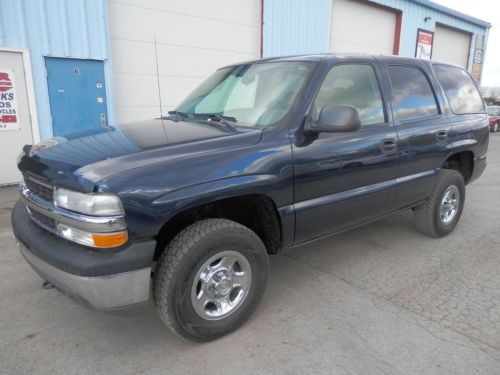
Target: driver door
[345, 178]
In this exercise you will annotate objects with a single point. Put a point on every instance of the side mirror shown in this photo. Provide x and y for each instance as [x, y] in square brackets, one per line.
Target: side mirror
[335, 118]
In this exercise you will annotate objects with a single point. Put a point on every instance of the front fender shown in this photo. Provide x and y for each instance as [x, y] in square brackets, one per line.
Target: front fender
[172, 203]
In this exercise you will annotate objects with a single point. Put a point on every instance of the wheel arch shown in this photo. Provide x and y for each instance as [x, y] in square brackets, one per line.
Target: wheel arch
[462, 161]
[251, 207]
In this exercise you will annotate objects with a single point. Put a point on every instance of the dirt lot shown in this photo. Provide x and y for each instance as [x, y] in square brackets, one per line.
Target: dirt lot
[383, 299]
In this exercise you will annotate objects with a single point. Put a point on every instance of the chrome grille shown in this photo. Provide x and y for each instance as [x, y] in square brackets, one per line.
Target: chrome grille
[43, 220]
[39, 188]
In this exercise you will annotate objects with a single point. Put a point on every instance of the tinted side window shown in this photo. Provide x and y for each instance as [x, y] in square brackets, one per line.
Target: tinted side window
[459, 89]
[413, 97]
[352, 84]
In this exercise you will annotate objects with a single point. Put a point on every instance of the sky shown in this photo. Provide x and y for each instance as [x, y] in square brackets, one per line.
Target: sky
[486, 10]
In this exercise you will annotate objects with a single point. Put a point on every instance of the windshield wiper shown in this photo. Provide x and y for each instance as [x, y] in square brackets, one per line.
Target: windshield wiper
[213, 118]
[180, 115]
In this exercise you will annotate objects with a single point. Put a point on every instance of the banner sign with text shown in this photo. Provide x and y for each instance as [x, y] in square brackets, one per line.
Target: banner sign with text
[424, 44]
[9, 116]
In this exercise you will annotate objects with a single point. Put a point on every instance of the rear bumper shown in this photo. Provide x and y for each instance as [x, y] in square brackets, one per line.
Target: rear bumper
[103, 280]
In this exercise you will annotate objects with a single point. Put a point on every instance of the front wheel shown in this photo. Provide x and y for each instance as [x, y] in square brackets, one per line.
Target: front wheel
[442, 211]
[210, 279]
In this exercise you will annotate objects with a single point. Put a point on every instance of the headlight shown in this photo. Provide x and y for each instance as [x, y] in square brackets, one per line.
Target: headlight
[89, 204]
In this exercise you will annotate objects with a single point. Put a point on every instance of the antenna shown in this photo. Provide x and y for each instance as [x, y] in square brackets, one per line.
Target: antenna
[158, 75]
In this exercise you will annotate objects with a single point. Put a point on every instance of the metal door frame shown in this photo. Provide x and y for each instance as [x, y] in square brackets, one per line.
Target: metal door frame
[30, 89]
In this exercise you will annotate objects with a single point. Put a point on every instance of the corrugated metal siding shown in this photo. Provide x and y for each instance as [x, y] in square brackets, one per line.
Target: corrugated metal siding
[296, 26]
[413, 19]
[59, 28]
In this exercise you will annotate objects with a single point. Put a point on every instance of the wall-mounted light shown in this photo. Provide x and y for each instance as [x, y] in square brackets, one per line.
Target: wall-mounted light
[427, 19]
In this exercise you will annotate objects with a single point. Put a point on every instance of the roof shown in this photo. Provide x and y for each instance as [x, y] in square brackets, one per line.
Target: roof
[453, 12]
[336, 56]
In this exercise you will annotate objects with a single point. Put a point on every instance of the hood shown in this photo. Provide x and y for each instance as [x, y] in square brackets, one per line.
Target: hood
[80, 160]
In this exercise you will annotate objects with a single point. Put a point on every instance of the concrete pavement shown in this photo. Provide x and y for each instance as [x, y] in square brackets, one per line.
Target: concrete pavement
[382, 299]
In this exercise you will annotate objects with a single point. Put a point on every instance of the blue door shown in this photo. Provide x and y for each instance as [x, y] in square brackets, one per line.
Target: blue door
[77, 94]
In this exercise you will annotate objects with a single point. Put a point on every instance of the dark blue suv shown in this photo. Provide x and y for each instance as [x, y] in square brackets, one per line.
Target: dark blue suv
[261, 157]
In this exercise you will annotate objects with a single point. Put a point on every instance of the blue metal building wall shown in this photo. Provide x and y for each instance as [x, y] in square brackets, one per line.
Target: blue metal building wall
[414, 14]
[58, 28]
[299, 26]
[296, 26]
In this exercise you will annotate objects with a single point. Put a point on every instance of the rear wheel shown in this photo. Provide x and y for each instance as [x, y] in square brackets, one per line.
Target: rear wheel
[441, 213]
[210, 279]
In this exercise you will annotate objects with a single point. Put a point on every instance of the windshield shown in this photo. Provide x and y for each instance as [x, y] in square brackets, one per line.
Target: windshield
[493, 111]
[256, 94]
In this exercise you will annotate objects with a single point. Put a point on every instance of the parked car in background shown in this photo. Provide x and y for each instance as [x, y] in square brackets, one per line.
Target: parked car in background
[493, 117]
[261, 157]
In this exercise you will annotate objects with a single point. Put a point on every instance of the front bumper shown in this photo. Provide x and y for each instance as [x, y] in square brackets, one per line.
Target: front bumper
[103, 280]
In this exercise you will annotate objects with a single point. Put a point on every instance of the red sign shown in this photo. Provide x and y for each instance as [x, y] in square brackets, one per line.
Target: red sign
[424, 44]
[5, 82]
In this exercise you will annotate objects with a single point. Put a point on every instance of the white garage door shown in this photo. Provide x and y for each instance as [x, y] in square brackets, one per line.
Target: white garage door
[194, 38]
[360, 27]
[451, 46]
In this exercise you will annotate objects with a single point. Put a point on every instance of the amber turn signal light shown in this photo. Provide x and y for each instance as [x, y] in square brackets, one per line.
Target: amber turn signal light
[109, 239]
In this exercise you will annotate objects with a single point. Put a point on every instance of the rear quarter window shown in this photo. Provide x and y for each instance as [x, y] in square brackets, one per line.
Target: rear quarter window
[460, 90]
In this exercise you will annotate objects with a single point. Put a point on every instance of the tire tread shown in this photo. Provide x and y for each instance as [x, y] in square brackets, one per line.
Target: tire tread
[424, 214]
[171, 258]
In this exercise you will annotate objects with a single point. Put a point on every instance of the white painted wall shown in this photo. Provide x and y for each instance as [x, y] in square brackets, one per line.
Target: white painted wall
[194, 38]
[360, 27]
[451, 46]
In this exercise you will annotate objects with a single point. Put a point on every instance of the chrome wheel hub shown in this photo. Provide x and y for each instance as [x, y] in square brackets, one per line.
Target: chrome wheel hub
[221, 285]
[449, 204]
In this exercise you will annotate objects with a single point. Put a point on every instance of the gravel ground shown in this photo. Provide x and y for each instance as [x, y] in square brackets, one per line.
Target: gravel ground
[382, 299]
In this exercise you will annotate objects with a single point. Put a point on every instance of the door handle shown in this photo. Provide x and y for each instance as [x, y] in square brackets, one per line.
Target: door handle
[442, 135]
[388, 145]
[103, 119]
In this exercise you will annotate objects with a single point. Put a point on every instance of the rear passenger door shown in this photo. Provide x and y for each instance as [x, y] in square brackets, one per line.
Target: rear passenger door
[422, 130]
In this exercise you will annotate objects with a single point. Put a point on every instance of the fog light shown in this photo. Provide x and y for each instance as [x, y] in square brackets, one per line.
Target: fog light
[101, 240]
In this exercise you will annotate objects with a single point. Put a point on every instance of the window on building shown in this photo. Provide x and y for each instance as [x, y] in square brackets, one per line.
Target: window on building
[352, 84]
[459, 89]
[412, 95]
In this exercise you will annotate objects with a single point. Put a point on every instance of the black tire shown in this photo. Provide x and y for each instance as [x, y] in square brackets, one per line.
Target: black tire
[428, 216]
[179, 265]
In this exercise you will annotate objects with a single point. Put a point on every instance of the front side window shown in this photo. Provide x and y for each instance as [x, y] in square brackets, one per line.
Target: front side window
[460, 90]
[255, 94]
[352, 84]
[412, 95]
